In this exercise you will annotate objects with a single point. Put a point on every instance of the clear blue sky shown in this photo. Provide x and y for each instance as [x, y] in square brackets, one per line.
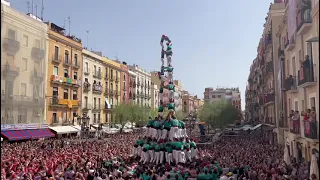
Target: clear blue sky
[214, 42]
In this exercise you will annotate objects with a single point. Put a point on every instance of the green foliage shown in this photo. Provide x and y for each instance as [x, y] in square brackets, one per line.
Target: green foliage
[179, 115]
[218, 114]
[121, 115]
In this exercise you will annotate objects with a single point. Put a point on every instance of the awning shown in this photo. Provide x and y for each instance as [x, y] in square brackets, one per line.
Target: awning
[256, 127]
[314, 39]
[64, 129]
[27, 134]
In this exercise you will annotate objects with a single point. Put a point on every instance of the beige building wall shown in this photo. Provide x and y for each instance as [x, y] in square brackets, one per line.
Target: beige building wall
[93, 77]
[64, 77]
[305, 94]
[23, 67]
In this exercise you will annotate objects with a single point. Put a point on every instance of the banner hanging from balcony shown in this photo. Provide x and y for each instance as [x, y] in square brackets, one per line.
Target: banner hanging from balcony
[10, 127]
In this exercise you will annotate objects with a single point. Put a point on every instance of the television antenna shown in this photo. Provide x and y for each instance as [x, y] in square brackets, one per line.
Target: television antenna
[28, 5]
[69, 21]
[87, 31]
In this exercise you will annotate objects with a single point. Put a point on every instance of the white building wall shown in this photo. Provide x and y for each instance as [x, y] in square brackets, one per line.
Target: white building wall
[89, 61]
[133, 74]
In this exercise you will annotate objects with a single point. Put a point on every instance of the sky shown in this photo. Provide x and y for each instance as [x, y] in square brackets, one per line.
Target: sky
[214, 42]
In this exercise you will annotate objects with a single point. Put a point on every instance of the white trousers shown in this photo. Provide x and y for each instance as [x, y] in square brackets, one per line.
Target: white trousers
[164, 134]
[169, 60]
[161, 156]
[179, 133]
[184, 133]
[144, 157]
[182, 158]
[188, 155]
[169, 160]
[135, 151]
[159, 134]
[154, 133]
[157, 159]
[175, 156]
[151, 155]
[173, 133]
[194, 153]
[148, 132]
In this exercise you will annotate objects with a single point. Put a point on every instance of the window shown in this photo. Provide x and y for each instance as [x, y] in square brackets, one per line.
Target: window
[303, 105]
[99, 100]
[24, 65]
[99, 118]
[288, 68]
[94, 103]
[74, 95]
[124, 77]
[75, 75]
[111, 72]
[65, 94]
[117, 101]
[66, 73]
[300, 56]
[116, 74]
[23, 89]
[76, 59]
[55, 92]
[111, 86]
[56, 52]
[55, 70]
[296, 105]
[213, 96]
[54, 117]
[111, 101]
[11, 34]
[37, 43]
[313, 102]
[25, 40]
[219, 96]
[74, 114]
[294, 66]
[86, 67]
[124, 85]
[94, 69]
[64, 116]
[86, 101]
[94, 119]
[66, 56]
[116, 87]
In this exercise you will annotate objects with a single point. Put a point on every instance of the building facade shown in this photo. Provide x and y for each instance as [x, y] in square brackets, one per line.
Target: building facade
[187, 103]
[23, 67]
[93, 87]
[132, 87]
[215, 95]
[154, 96]
[301, 82]
[124, 83]
[112, 90]
[178, 94]
[64, 77]
[295, 78]
[143, 86]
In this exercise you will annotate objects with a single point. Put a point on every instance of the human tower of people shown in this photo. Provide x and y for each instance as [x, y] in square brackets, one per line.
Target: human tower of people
[166, 139]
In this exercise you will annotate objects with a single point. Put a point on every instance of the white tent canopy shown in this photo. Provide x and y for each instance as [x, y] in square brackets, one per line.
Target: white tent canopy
[64, 129]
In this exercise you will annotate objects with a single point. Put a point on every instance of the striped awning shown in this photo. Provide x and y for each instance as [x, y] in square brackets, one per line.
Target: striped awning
[27, 134]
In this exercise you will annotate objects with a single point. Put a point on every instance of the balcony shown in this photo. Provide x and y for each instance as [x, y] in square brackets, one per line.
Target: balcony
[291, 85]
[306, 77]
[268, 41]
[295, 127]
[110, 107]
[10, 71]
[97, 74]
[37, 54]
[37, 77]
[22, 100]
[268, 99]
[86, 71]
[111, 77]
[116, 93]
[97, 88]
[86, 107]
[304, 19]
[142, 85]
[310, 130]
[67, 63]
[124, 88]
[56, 59]
[86, 86]
[111, 92]
[269, 121]
[64, 103]
[106, 92]
[138, 84]
[290, 44]
[96, 108]
[134, 84]
[11, 46]
[76, 65]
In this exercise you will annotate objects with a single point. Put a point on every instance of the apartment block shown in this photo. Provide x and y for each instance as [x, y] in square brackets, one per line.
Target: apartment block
[232, 95]
[24, 51]
[124, 79]
[294, 83]
[64, 77]
[112, 90]
[93, 78]
[155, 101]
[300, 41]
[132, 86]
[143, 86]
[178, 94]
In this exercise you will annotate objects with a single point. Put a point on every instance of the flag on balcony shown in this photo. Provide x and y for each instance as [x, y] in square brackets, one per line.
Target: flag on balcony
[107, 103]
[301, 74]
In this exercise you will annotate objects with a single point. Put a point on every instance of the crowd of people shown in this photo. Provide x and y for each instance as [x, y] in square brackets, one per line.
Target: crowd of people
[245, 156]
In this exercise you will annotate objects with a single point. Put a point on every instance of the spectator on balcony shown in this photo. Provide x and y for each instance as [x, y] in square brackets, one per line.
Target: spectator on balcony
[296, 121]
[291, 82]
[313, 114]
[306, 63]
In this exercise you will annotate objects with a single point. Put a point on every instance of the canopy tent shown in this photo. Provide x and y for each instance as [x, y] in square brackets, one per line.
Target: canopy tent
[64, 129]
[15, 135]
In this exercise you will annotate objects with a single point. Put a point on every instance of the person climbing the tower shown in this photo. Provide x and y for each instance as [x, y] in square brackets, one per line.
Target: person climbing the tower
[166, 128]
[174, 129]
[162, 151]
[164, 38]
[149, 128]
[169, 158]
[187, 150]
[169, 53]
[194, 150]
[144, 155]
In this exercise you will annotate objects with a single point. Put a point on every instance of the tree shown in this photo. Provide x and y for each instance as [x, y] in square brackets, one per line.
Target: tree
[219, 113]
[122, 115]
[179, 115]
